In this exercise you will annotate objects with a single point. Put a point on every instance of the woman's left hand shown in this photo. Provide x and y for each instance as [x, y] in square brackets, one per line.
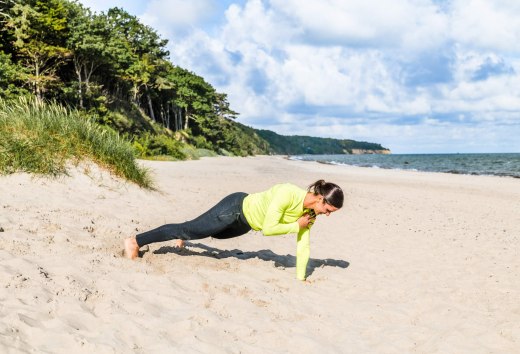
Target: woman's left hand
[306, 220]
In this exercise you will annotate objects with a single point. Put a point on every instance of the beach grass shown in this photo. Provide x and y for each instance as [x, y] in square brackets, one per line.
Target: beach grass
[43, 137]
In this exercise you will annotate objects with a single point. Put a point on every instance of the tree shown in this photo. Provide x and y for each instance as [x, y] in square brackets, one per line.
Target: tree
[192, 94]
[137, 52]
[87, 39]
[38, 29]
[11, 76]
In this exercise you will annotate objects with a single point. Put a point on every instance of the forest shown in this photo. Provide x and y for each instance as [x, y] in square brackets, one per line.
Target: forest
[117, 71]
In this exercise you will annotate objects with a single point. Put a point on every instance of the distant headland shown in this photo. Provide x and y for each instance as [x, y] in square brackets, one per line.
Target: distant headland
[300, 145]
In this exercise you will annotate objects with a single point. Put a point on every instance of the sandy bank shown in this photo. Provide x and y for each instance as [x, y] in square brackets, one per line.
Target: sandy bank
[414, 262]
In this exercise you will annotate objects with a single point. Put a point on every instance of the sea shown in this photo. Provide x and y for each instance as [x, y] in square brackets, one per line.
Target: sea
[499, 164]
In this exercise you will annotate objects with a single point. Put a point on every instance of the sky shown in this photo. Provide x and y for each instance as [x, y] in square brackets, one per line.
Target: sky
[416, 76]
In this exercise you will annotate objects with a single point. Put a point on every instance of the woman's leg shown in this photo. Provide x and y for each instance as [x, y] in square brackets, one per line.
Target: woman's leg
[235, 230]
[226, 215]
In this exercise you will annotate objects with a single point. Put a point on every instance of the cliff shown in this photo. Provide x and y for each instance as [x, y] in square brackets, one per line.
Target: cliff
[364, 151]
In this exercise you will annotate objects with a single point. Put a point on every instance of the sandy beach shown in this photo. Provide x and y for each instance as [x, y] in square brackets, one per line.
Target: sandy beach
[414, 263]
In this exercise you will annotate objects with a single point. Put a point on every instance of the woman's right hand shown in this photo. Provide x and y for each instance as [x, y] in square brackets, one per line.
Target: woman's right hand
[305, 221]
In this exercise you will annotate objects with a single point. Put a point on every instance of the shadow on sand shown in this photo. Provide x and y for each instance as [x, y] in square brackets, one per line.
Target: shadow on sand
[280, 261]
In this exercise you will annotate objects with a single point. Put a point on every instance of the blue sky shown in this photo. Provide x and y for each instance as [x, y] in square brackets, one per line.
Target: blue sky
[417, 76]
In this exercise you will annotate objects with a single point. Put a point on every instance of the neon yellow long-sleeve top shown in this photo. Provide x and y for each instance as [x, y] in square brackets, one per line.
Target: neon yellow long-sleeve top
[276, 212]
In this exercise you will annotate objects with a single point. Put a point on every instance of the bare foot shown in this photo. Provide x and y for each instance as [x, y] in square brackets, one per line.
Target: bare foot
[179, 243]
[131, 248]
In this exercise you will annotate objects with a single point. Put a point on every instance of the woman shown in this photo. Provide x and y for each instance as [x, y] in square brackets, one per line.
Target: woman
[282, 209]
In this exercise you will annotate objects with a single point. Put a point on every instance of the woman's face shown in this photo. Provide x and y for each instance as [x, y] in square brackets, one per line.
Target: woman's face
[323, 208]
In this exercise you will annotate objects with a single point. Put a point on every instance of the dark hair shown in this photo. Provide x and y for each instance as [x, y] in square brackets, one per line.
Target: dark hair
[332, 193]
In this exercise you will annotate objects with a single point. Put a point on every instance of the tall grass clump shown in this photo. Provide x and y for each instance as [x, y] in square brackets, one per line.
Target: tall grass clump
[41, 137]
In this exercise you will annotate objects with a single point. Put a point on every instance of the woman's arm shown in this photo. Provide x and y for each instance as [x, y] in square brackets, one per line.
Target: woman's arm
[303, 251]
[275, 211]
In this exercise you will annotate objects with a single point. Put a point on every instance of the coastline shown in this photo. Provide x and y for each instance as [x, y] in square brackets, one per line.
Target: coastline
[488, 164]
[415, 261]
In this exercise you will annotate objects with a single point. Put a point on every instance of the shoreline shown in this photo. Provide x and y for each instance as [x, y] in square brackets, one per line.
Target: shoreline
[414, 261]
[415, 170]
[379, 165]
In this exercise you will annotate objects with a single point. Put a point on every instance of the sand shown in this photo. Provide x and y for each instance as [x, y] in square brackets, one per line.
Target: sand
[414, 263]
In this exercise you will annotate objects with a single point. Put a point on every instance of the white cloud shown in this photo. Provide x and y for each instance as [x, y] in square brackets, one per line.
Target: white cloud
[488, 25]
[483, 83]
[172, 16]
[256, 25]
[401, 24]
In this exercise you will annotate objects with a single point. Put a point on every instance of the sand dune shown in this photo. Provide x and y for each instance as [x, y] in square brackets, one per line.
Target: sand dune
[413, 263]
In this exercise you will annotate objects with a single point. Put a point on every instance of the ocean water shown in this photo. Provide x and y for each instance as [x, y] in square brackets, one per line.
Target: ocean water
[473, 164]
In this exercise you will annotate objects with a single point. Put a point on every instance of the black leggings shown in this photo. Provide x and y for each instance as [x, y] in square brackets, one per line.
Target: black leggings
[224, 220]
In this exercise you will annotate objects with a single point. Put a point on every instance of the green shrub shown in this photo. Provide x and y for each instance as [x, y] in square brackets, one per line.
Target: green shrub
[40, 137]
[147, 145]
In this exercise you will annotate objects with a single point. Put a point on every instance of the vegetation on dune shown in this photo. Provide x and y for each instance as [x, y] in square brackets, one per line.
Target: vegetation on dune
[41, 138]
